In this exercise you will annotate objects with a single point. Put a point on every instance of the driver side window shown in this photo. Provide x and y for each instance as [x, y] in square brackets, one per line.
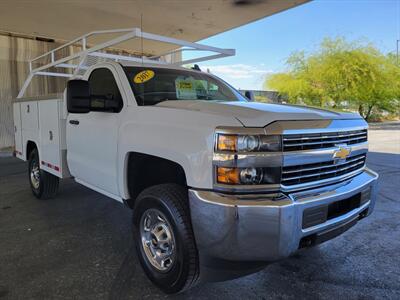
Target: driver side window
[105, 94]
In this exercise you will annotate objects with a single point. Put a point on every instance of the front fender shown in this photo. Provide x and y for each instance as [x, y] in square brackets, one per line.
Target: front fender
[184, 137]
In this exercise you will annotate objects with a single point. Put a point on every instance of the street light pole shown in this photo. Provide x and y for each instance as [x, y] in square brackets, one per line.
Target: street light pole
[397, 51]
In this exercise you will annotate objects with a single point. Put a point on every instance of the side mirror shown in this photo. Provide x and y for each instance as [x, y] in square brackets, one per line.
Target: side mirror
[78, 96]
[249, 95]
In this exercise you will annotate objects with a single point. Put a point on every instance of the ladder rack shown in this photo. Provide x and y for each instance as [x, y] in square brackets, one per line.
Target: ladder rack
[94, 51]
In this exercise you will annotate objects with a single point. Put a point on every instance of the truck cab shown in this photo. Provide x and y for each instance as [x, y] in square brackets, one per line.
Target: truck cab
[214, 181]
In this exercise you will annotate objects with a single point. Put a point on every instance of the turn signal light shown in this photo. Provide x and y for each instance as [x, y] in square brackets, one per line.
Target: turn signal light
[228, 175]
[227, 142]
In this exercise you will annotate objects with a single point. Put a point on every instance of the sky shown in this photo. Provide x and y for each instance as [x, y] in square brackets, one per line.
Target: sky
[262, 47]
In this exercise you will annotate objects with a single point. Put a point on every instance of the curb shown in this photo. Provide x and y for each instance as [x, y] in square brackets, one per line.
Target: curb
[6, 154]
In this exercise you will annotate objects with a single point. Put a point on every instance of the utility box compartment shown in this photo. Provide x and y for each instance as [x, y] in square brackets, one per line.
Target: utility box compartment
[49, 136]
[42, 122]
[29, 115]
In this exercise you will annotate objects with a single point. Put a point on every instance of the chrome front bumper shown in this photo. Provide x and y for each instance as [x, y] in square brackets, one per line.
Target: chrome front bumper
[270, 227]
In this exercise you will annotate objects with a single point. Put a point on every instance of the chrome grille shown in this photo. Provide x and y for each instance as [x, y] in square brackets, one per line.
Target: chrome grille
[297, 142]
[292, 175]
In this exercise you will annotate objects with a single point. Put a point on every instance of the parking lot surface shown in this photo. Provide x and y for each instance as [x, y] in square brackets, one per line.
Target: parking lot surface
[79, 246]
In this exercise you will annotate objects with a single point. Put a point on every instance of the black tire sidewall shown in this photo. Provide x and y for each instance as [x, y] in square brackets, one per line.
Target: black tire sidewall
[34, 156]
[174, 279]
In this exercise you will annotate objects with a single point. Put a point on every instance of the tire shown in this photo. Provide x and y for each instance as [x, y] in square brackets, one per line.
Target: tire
[169, 202]
[43, 184]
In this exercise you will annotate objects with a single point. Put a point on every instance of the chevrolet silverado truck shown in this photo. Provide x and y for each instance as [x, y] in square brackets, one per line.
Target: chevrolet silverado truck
[214, 181]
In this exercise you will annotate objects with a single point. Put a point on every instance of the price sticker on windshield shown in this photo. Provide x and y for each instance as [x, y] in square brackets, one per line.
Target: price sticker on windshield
[143, 76]
[184, 85]
[185, 89]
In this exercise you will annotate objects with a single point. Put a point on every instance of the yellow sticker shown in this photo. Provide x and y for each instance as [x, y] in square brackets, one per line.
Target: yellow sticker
[184, 85]
[143, 76]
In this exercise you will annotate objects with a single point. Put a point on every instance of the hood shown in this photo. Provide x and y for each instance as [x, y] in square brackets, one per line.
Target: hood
[253, 114]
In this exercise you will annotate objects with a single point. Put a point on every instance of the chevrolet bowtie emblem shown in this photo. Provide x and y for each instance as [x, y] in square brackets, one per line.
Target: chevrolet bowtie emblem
[342, 153]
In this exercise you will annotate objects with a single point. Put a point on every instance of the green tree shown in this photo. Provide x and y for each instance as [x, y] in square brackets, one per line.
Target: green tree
[341, 75]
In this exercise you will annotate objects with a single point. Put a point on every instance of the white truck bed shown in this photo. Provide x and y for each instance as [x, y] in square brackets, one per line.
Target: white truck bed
[42, 121]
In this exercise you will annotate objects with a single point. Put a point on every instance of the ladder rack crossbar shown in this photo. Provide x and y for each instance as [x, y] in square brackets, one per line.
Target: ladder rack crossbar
[95, 51]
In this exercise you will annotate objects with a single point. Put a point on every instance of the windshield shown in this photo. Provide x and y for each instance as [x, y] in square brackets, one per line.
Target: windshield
[154, 85]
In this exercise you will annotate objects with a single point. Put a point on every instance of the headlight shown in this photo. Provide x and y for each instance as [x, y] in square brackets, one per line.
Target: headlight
[251, 175]
[246, 159]
[248, 176]
[248, 143]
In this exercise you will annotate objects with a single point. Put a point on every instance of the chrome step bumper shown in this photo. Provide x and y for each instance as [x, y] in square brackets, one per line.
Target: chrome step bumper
[270, 227]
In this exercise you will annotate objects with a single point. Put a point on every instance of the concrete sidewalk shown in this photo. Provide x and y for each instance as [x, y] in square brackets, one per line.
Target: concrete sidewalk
[6, 152]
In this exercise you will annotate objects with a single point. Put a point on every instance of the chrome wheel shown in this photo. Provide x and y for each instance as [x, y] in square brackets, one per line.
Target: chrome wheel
[35, 175]
[158, 240]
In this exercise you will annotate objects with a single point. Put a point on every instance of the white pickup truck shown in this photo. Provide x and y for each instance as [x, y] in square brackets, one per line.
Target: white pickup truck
[214, 181]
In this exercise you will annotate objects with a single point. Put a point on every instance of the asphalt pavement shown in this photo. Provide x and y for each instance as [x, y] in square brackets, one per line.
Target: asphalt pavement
[79, 246]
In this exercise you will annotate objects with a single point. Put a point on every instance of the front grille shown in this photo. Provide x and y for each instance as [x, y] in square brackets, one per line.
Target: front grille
[296, 142]
[292, 175]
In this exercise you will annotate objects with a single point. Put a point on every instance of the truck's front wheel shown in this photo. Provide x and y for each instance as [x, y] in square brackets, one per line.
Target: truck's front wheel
[164, 237]
[43, 184]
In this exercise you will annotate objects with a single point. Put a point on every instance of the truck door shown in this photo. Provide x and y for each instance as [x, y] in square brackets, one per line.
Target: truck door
[92, 138]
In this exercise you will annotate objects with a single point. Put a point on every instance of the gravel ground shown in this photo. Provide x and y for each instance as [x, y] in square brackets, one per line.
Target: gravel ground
[79, 246]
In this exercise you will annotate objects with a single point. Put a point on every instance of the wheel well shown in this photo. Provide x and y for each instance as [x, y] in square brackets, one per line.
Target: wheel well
[145, 170]
[29, 148]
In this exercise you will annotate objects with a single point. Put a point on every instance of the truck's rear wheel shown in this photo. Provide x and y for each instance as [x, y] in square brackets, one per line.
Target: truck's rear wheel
[164, 237]
[43, 184]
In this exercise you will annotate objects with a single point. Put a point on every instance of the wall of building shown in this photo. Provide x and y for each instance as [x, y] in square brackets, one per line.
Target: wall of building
[14, 54]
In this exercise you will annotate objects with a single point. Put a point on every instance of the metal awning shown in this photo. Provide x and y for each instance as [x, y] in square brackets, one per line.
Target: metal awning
[190, 20]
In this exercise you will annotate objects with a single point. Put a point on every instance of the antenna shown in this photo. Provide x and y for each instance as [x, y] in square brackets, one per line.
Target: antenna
[141, 45]
[141, 35]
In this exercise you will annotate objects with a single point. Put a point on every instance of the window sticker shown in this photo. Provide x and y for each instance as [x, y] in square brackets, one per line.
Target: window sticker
[185, 89]
[143, 76]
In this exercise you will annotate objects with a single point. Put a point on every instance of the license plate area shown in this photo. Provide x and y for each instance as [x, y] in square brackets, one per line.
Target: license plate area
[326, 235]
[320, 214]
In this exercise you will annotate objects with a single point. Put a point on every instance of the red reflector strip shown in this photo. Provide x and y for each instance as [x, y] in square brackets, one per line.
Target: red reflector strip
[50, 166]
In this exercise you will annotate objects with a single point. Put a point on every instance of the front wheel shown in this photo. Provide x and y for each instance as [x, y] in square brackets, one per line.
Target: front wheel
[43, 184]
[164, 237]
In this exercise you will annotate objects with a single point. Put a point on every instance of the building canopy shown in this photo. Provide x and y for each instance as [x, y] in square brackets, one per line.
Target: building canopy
[190, 20]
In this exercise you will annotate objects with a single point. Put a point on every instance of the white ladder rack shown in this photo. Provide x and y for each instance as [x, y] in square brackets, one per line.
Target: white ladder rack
[94, 51]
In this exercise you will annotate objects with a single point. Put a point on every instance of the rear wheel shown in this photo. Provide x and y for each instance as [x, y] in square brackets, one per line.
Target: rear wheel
[164, 237]
[43, 184]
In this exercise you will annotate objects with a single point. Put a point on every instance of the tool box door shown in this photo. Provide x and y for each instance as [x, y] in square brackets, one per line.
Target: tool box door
[49, 132]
